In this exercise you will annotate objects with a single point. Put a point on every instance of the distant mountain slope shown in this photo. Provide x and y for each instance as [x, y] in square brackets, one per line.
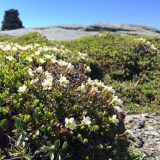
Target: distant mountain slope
[69, 32]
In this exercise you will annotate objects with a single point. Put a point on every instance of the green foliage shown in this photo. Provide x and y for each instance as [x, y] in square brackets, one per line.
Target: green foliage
[130, 64]
[51, 109]
[135, 155]
[40, 120]
[31, 37]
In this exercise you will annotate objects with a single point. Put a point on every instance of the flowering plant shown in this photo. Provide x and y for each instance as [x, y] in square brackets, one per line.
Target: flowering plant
[54, 110]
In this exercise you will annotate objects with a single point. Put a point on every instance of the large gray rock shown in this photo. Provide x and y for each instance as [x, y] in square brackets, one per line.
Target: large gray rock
[69, 32]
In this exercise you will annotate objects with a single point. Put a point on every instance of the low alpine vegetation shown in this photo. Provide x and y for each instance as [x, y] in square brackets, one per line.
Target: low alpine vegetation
[51, 108]
[129, 63]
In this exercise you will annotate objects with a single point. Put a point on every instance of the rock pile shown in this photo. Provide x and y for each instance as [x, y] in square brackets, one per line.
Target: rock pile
[11, 20]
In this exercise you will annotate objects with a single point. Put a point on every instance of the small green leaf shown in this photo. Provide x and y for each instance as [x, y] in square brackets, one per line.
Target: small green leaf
[35, 102]
[57, 143]
[59, 157]
[3, 122]
[27, 118]
[65, 145]
[17, 122]
[52, 156]
[2, 157]
[4, 110]
[27, 157]
[85, 140]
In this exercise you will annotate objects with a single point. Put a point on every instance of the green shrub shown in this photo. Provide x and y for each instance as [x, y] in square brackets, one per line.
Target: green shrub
[51, 109]
[137, 63]
[125, 60]
[31, 37]
[137, 97]
[129, 63]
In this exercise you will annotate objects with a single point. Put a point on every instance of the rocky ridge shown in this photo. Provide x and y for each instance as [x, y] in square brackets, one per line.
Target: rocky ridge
[69, 32]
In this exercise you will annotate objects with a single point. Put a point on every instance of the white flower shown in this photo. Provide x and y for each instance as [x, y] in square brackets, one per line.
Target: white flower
[98, 83]
[114, 119]
[63, 81]
[30, 72]
[10, 58]
[116, 100]
[82, 55]
[39, 69]
[37, 52]
[14, 48]
[29, 59]
[47, 83]
[34, 80]
[82, 88]
[142, 40]
[70, 67]
[55, 49]
[88, 69]
[62, 63]
[94, 90]
[70, 123]
[48, 75]
[90, 82]
[153, 47]
[86, 121]
[53, 58]
[108, 89]
[47, 56]
[41, 60]
[22, 89]
[148, 43]
[129, 132]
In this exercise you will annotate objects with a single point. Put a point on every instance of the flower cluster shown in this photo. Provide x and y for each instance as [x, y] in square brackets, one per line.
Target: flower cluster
[149, 44]
[71, 123]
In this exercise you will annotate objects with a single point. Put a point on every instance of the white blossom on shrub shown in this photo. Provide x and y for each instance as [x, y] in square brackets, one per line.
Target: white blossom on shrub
[39, 69]
[82, 88]
[108, 89]
[47, 56]
[88, 69]
[94, 90]
[37, 53]
[53, 58]
[47, 83]
[41, 60]
[86, 121]
[114, 119]
[22, 89]
[70, 67]
[116, 100]
[33, 81]
[62, 63]
[63, 81]
[90, 82]
[70, 123]
[30, 72]
[10, 58]
[29, 59]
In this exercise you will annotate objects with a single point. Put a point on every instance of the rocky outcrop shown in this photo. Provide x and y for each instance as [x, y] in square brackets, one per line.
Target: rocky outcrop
[145, 129]
[69, 32]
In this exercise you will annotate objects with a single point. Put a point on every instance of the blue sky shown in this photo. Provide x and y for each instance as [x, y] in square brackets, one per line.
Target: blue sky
[52, 12]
